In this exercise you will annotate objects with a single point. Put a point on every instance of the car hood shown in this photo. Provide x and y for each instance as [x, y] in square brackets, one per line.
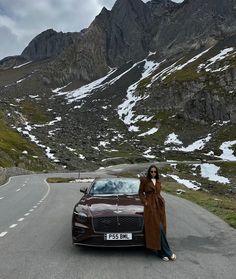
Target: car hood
[112, 205]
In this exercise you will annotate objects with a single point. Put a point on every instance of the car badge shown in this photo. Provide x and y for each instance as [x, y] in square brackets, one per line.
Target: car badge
[117, 211]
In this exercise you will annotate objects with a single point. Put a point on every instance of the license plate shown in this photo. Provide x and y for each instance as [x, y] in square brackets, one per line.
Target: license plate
[118, 236]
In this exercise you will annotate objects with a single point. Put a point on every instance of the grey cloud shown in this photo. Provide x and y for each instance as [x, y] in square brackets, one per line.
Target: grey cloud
[22, 20]
[107, 3]
[8, 42]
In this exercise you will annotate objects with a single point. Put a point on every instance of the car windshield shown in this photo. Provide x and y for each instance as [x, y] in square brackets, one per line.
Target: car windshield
[115, 187]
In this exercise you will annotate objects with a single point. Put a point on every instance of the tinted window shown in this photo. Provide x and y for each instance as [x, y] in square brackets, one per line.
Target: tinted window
[115, 186]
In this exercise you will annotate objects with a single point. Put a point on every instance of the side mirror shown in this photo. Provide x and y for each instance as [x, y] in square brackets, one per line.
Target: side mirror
[83, 189]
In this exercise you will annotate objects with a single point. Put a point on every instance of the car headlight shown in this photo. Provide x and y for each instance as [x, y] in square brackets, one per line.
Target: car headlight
[80, 213]
[82, 217]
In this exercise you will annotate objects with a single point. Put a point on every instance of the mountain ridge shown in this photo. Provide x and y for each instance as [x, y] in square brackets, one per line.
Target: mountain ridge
[124, 90]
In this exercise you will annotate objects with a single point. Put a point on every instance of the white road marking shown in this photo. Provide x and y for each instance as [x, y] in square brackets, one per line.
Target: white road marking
[13, 226]
[3, 234]
[47, 191]
[6, 183]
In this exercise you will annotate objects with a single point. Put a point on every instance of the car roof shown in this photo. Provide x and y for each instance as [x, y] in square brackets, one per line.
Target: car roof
[115, 178]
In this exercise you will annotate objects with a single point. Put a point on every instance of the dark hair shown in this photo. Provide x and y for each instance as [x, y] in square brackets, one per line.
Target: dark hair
[149, 174]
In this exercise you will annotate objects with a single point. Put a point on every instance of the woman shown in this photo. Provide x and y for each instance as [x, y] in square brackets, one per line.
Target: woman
[154, 214]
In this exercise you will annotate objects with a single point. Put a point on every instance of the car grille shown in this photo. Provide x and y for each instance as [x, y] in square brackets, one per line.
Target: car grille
[118, 224]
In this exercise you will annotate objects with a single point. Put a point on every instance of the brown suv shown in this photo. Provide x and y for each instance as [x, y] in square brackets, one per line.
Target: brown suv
[109, 214]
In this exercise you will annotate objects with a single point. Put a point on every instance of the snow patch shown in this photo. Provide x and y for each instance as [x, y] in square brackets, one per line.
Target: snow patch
[173, 139]
[33, 96]
[228, 153]
[83, 91]
[221, 56]
[188, 183]
[149, 132]
[20, 80]
[125, 110]
[82, 157]
[56, 90]
[103, 143]
[26, 131]
[19, 66]
[151, 53]
[197, 145]
[174, 68]
[50, 155]
[210, 171]
[147, 153]
[70, 149]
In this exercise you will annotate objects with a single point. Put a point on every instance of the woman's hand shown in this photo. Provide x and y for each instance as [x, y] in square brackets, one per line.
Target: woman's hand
[146, 203]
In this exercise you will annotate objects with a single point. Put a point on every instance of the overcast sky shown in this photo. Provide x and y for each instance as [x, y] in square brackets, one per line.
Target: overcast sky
[22, 20]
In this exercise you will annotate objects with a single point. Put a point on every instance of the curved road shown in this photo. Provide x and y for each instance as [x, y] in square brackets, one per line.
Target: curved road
[35, 239]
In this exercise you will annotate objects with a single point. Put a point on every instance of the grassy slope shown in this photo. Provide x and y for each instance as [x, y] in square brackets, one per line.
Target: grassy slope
[11, 147]
[221, 205]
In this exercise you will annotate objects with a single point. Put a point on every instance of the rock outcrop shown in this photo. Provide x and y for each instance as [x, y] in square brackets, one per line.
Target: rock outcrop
[11, 61]
[45, 45]
[48, 44]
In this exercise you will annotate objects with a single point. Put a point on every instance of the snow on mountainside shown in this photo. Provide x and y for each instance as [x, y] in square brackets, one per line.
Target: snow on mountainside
[122, 91]
[146, 74]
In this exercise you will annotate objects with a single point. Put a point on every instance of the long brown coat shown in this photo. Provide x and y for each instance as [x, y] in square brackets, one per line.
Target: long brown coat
[154, 212]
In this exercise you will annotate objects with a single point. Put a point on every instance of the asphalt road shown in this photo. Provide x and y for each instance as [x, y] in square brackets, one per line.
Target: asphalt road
[35, 239]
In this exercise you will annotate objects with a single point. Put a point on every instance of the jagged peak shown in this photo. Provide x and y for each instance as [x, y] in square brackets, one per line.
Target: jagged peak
[49, 31]
[104, 10]
[123, 4]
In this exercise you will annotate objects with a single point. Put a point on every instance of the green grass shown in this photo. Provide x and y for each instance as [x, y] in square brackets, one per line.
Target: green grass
[226, 133]
[221, 205]
[229, 168]
[143, 83]
[190, 71]
[33, 113]
[230, 60]
[12, 144]
[60, 179]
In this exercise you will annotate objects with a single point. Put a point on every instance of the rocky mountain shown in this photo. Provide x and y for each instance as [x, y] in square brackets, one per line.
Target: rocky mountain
[152, 81]
[46, 45]
[132, 29]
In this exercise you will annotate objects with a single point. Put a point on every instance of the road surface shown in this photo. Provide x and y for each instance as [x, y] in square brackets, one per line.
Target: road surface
[35, 239]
